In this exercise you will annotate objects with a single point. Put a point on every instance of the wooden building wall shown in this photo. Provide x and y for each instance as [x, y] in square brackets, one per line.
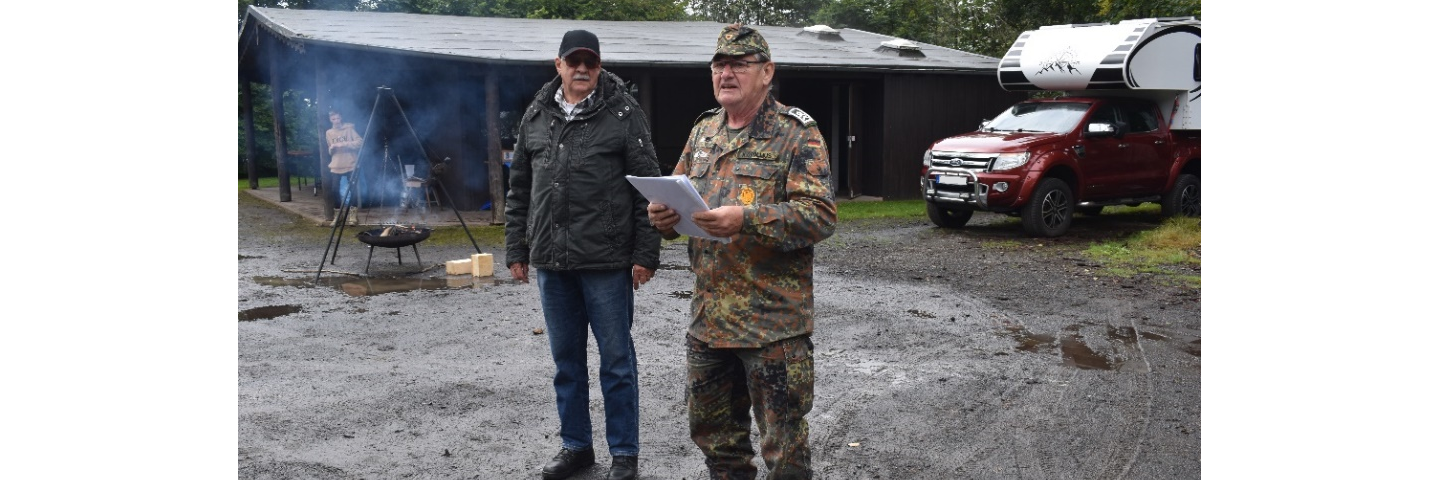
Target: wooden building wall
[920, 109]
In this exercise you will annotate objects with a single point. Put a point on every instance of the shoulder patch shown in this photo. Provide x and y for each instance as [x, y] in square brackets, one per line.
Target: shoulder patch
[706, 114]
[800, 115]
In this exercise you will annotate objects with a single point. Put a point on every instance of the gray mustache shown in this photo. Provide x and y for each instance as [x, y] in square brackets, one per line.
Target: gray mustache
[580, 77]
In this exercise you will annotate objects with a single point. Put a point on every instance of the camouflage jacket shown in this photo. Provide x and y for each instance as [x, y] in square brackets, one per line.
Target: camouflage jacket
[757, 288]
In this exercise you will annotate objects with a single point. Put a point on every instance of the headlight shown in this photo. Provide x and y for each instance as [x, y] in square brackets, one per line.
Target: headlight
[927, 158]
[1008, 161]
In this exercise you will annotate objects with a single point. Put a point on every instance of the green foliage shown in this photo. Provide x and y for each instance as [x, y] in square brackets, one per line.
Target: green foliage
[1116, 10]
[986, 27]
[786, 13]
[300, 126]
[646, 10]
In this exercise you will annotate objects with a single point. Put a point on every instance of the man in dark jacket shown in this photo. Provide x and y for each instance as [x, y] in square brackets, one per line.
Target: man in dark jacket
[571, 213]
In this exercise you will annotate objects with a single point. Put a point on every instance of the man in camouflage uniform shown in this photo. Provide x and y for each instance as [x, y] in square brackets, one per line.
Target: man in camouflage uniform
[764, 169]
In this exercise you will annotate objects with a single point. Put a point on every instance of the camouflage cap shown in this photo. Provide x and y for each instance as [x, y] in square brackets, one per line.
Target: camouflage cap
[737, 39]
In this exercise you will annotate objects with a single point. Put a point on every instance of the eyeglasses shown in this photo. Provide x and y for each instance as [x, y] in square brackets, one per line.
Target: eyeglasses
[736, 66]
[575, 61]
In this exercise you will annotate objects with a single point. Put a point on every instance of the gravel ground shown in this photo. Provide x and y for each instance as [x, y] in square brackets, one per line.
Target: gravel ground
[977, 353]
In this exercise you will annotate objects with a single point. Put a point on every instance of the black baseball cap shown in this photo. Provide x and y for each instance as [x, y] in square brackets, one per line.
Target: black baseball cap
[579, 40]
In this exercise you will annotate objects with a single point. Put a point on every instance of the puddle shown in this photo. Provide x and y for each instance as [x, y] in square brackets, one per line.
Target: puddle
[1073, 351]
[1079, 355]
[920, 313]
[266, 313]
[682, 294]
[360, 287]
[247, 257]
[1028, 342]
[672, 266]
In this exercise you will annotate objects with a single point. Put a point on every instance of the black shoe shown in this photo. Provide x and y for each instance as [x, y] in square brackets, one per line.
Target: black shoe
[567, 462]
[624, 468]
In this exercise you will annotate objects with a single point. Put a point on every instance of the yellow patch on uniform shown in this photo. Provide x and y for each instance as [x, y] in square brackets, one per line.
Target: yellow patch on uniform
[747, 196]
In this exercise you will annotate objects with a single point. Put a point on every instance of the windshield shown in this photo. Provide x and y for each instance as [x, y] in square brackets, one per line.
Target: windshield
[1039, 117]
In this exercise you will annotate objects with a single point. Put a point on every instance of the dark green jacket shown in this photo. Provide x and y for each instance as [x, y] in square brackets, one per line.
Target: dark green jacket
[569, 206]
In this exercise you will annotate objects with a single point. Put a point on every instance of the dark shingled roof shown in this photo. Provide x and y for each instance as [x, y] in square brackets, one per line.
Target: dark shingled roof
[657, 44]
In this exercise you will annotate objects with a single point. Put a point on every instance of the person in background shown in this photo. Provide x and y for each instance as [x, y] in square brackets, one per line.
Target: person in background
[344, 145]
[571, 214]
[764, 169]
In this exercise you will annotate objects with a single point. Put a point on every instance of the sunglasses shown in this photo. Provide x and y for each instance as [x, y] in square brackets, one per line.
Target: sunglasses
[575, 61]
[737, 66]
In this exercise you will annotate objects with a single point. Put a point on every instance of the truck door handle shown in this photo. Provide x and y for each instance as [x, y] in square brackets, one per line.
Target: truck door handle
[1159, 142]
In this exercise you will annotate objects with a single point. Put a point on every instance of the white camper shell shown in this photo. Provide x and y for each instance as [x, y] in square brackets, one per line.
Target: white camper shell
[1156, 58]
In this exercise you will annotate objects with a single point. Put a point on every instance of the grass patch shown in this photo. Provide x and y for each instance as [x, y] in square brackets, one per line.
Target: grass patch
[845, 211]
[265, 182]
[1175, 243]
[455, 235]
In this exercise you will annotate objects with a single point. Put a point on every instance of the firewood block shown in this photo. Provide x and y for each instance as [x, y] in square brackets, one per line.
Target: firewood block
[458, 267]
[482, 265]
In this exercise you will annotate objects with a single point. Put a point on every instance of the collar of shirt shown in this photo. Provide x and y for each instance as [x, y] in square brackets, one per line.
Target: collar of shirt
[572, 109]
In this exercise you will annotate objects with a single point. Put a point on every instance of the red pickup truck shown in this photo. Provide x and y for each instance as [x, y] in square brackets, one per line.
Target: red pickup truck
[1045, 159]
[1126, 132]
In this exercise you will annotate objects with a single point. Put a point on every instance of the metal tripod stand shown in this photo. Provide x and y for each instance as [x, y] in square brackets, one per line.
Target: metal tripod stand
[332, 246]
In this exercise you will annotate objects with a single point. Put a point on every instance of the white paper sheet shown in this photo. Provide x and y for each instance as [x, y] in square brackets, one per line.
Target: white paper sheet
[676, 192]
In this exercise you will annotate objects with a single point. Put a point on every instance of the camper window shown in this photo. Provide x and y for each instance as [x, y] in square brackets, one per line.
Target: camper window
[1140, 117]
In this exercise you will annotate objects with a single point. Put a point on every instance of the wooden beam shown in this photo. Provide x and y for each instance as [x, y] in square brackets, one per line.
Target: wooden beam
[496, 160]
[277, 100]
[323, 177]
[248, 106]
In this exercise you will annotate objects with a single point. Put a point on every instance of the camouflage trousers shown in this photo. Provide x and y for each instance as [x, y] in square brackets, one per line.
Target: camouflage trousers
[724, 384]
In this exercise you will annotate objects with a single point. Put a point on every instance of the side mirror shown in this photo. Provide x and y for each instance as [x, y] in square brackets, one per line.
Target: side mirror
[1099, 130]
[984, 123]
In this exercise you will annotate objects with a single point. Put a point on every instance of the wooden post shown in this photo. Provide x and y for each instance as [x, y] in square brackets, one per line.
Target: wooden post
[497, 157]
[323, 178]
[248, 107]
[277, 100]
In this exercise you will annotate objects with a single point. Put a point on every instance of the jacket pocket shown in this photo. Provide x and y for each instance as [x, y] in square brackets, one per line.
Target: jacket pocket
[757, 181]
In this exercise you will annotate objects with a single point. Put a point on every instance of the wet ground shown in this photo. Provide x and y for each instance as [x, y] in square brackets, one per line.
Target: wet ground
[978, 353]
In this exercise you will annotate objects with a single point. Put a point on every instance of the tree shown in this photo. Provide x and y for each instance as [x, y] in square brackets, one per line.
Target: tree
[787, 13]
[986, 27]
[300, 127]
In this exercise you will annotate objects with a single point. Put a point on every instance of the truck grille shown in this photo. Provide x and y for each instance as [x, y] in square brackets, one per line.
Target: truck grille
[977, 162]
[952, 178]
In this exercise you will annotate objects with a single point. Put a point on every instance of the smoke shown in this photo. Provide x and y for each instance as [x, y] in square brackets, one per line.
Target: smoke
[415, 113]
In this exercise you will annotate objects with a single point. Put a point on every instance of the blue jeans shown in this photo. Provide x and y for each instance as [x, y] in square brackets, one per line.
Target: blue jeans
[604, 301]
[343, 180]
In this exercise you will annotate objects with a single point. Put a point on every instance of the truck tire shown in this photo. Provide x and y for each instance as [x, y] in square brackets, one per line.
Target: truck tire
[1184, 199]
[948, 217]
[1049, 212]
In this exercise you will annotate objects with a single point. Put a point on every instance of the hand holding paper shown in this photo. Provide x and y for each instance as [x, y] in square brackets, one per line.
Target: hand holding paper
[676, 192]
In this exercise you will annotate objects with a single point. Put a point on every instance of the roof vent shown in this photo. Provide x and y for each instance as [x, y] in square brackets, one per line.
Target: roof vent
[901, 47]
[823, 32]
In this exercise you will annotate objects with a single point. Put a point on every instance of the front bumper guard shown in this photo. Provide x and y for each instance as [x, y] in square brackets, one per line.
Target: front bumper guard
[972, 194]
